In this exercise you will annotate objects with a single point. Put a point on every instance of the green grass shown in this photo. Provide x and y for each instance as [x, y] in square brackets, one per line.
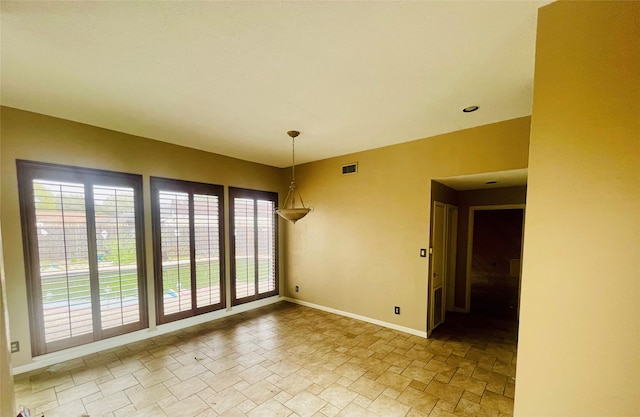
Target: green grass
[206, 275]
[114, 283]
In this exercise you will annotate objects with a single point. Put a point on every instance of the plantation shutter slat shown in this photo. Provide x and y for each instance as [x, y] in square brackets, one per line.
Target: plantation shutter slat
[254, 245]
[207, 249]
[266, 246]
[244, 233]
[175, 237]
[64, 260]
[117, 258]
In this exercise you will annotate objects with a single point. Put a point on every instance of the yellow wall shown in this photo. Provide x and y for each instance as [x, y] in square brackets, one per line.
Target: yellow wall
[7, 398]
[358, 252]
[579, 341]
[35, 137]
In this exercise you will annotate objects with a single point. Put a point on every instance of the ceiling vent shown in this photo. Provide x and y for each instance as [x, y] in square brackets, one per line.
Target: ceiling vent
[350, 169]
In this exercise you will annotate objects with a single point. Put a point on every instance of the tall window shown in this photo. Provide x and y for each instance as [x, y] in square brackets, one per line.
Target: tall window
[254, 244]
[188, 248]
[84, 254]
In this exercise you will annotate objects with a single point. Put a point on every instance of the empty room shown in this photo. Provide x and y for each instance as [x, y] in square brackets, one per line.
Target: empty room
[320, 208]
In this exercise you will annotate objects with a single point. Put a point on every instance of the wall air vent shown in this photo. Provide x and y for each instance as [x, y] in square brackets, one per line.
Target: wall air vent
[350, 169]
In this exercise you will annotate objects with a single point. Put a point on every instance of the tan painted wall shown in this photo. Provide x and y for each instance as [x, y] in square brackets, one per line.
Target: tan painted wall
[35, 137]
[444, 194]
[7, 397]
[359, 250]
[579, 342]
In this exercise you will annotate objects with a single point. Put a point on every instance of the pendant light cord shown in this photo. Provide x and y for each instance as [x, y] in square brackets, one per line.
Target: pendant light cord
[293, 160]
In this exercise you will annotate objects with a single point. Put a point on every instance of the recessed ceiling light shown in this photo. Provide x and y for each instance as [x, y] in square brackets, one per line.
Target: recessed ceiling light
[491, 182]
[470, 109]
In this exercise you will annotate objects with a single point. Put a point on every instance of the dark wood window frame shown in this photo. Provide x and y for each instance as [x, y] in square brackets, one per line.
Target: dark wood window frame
[28, 171]
[191, 188]
[254, 195]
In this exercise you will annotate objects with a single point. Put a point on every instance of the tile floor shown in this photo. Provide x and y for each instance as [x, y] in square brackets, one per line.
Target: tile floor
[288, 360]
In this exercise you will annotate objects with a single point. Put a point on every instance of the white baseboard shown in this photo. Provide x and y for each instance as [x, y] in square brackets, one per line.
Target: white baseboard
[358, 317]
[79, 351]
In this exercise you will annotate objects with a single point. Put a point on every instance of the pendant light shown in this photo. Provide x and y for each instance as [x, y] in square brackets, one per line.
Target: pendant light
[290, 211]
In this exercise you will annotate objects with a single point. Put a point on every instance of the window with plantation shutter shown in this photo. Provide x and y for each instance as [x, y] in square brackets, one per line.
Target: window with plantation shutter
[254, 244]
[82, 232]
[117, 255]
[188, 238]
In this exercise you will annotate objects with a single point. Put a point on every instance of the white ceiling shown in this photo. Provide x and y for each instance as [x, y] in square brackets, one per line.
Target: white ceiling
[233, 77]
[498, 179]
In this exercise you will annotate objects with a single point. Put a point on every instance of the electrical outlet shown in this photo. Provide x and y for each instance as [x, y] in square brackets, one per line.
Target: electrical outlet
[396, 310]
[297, 289]
[15, 347]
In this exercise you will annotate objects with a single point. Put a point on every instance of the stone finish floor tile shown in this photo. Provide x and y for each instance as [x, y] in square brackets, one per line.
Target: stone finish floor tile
[288, 360]
[385, 406]
[305, 404]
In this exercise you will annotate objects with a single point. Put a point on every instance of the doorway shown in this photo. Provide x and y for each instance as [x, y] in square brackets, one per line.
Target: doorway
[488, 191]
[494, 261]
[441, 282]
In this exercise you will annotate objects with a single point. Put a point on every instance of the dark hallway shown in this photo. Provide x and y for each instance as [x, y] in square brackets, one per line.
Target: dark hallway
[495, 269]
